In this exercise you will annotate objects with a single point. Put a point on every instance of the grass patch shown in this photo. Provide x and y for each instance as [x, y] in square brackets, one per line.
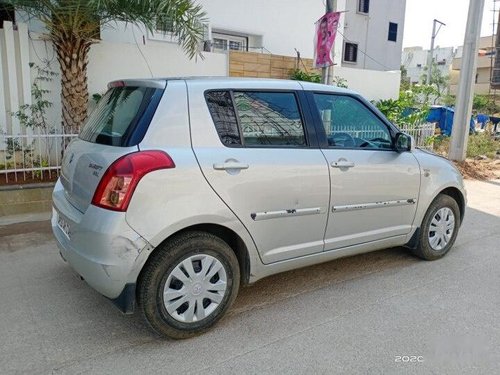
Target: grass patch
[481, 144]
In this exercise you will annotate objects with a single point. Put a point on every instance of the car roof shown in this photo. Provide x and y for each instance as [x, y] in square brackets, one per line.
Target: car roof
[237, 82]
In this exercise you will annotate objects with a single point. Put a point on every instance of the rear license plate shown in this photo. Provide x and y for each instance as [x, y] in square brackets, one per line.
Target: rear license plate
[63, 225]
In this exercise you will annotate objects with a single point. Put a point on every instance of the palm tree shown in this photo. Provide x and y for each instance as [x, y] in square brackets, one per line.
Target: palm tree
[74, 25]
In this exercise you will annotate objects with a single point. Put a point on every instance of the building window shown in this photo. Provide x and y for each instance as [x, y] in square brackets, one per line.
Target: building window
[220, 44]
[364, 6]
[163, 31]
[224, 42]
[393, 32]
[164, 25]
[7, 13]
[235, 46]
[350, 52]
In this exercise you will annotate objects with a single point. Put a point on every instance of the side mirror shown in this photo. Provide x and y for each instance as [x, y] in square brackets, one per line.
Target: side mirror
[404, 142]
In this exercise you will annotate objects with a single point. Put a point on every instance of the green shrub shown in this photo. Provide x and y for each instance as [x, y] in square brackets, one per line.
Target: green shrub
[482, 144]
[300, 75]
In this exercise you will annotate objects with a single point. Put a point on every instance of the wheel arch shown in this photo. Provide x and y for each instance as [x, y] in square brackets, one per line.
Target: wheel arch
[451, 191]
[226, 234]
[457, 195]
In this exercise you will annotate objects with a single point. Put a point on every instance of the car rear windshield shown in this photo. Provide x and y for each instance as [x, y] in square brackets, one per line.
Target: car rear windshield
[122, 116]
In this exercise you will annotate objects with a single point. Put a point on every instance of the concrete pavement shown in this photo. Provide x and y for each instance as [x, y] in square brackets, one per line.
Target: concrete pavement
[353, 315]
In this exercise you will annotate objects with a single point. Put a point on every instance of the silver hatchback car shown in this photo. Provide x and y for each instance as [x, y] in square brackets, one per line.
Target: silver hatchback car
[178, 191]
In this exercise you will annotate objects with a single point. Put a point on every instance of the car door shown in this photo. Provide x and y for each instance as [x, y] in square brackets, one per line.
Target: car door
[374, 189]
[255, 151]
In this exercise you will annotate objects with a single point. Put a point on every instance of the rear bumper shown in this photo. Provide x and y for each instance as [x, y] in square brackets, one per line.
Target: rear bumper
[101, 247]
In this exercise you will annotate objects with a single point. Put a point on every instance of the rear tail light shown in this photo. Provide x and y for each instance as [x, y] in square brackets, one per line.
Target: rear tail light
[118, 183]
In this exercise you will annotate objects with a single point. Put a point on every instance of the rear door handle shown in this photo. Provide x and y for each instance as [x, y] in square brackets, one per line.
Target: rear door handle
[342, 164]
[230, 165]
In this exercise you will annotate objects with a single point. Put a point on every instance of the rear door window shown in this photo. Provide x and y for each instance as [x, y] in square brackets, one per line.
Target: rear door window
[116, 118]
[270, 119]
[257, 119]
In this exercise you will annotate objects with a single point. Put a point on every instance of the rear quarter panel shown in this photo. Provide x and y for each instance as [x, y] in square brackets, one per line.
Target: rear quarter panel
[167, 201]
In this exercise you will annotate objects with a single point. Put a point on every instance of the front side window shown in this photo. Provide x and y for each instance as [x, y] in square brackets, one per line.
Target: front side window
[349, 123]
[256, 119]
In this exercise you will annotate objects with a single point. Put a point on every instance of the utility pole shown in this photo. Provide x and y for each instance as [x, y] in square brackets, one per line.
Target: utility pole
[327, 71]
[463, 105]
[431, 52]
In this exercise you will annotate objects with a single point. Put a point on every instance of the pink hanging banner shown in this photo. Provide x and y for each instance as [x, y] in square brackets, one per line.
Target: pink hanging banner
[326, 30]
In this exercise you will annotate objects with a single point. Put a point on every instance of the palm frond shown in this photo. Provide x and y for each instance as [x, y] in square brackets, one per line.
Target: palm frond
[80, 18]
[185, 17]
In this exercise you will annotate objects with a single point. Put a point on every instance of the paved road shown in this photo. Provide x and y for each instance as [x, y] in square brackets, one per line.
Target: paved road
[352, 315]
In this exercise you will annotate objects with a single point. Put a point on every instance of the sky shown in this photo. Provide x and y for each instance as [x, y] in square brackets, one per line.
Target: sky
[421, 13]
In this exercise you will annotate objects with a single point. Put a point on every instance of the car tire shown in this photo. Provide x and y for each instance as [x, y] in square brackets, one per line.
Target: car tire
[439, 228]
[177, 293]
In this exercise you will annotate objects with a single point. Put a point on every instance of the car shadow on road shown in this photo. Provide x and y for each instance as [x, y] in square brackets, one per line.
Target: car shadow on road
[289, 284]
[493, 182]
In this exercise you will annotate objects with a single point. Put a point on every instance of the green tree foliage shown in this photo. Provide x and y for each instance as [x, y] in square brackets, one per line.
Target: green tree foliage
[405, 80]
[74, 25]
[34, 115]
[484, 104]
[439, 83]
[411, 108]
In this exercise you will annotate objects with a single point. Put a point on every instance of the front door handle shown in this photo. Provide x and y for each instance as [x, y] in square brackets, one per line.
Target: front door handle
[342, 164]
[232, 164]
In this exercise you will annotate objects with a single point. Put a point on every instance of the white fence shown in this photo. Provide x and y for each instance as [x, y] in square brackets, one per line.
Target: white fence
[31, 158]
[421, 133]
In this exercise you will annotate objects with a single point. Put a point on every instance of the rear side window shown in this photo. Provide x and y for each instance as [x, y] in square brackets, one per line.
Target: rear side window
[257, 119]
[117, 118]
[221, 108]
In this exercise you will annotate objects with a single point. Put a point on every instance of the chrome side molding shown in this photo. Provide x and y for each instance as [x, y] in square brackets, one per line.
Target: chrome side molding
[366, 206]
[285, 213]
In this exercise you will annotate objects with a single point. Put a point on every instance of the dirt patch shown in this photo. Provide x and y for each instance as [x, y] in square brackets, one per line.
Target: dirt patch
[479, 169]
[20, 178]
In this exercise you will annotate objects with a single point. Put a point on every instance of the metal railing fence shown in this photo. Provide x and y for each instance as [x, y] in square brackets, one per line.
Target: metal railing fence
[31, 157]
